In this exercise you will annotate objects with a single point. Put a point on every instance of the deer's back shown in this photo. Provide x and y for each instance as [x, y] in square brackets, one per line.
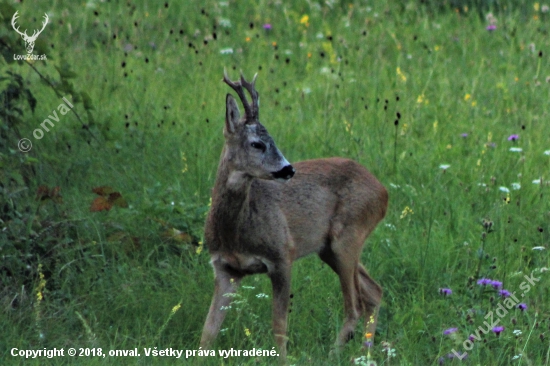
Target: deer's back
[327, 195]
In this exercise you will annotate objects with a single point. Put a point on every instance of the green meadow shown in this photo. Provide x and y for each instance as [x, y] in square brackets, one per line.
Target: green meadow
[102, 218]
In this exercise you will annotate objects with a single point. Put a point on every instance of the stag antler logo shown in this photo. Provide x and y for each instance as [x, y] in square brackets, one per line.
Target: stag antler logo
[29, 40]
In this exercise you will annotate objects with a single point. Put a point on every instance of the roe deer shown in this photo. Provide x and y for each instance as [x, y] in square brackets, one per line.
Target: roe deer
[266, 213]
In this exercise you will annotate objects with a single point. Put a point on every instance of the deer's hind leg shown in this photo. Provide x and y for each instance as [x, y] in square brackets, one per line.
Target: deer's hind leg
[362, 295]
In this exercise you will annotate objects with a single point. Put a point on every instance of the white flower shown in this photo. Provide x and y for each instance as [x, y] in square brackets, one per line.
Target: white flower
[516, 149]
[517, 332]
[538, 248]
[482, 184]
[262, 296]
[395, 185]
[226, 23]
[319, 35]
[516, 356]
[516, 186]
[547, 152]
[504, 189]
[537, 181]
[226, 51]
[444, 166]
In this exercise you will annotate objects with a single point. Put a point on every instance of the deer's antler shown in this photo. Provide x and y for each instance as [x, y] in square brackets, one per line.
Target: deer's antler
[251, 111]
[13, 24]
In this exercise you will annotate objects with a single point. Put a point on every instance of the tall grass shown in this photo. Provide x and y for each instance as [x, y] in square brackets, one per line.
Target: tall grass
[425, 97]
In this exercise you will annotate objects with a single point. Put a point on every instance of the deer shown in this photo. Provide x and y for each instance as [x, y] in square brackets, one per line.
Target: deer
[29, 40]
[267, 213]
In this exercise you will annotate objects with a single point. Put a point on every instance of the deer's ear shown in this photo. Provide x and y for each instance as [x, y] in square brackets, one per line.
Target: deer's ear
[232, 114]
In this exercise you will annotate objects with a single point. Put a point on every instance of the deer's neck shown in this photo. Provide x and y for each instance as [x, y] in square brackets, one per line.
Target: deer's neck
[230, 201]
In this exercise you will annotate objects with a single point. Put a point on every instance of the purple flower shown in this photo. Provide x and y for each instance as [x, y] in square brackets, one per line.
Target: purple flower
[267, 26]
[491, 27]
[445, 291]
[441, 361]
[513, 137]
[449, 331]
[464, 134]
[472, 338]
[522, 306]
[484, 281]
[498, 330]
[496, 284]
[504, 293]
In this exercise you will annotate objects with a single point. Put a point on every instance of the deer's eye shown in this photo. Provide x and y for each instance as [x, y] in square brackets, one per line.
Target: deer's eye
[258, 145]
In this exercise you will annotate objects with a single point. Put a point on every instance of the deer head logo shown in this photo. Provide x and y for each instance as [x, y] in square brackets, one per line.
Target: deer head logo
[29, 40]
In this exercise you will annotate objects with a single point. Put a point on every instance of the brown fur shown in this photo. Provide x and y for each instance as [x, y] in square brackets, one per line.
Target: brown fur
[258, 225]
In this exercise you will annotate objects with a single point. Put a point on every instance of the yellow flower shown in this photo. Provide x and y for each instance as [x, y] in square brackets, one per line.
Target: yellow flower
[247, 39]
[176, 308]
[401, 75]
[536, 6]
[199, 248]
[420, 98]
[247, 332]
[474, 103]
[437, 48]
[467, 96]
[406, 211]
[305, 20]
[368, 335]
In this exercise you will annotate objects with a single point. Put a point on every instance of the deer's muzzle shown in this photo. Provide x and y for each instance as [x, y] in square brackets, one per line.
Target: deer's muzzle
[286, 173]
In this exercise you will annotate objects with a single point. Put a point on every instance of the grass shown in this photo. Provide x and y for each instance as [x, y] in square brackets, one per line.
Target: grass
[403, 89]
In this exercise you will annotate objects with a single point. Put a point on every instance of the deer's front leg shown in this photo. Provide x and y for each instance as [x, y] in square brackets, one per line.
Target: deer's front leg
[280, 280]
[224, 283]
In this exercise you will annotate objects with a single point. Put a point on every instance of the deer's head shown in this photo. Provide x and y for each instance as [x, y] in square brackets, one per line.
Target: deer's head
[29, 40]
[249, 147]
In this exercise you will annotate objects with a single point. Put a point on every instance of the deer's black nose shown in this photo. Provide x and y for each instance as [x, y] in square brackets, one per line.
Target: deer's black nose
[286, 173]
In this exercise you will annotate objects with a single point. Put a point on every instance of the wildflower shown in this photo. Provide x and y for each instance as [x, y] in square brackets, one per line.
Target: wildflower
[516, 356]
[538, 248]
[504, 189]
[407, 210]
[491, 27]
[471, 338]
[498, 330]
[401, 75]
[247, 332]
[226, 51]
[445, 291]
[547, 152]
[467, 96]
[516, 186]
[450, 331]
[267, 26]
[464, 135]
[522, 306]
[176, 308]
[484, 281]
[305, 20]
[545, 8]
[516, 149]
[444, 166]
[496, 284]
[517, 332]
[504, 293]
[513, 137]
